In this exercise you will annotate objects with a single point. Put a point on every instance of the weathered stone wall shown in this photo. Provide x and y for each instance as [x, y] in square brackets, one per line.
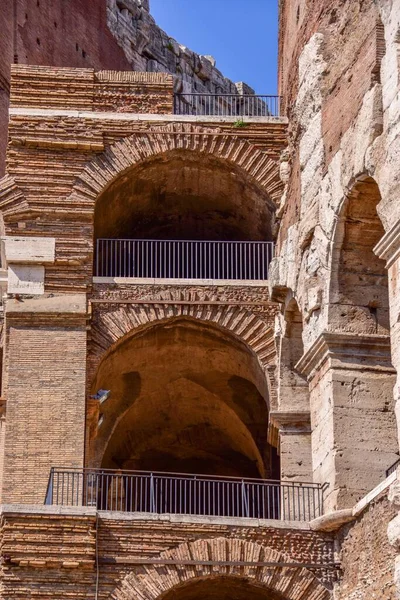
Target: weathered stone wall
[149, 48]
[367, 558]
[337, 72]
[339, 77]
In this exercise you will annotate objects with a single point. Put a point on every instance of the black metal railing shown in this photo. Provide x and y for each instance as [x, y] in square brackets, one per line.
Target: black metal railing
[183, 259]
[227, 105]
[140, 491]
[393, 467]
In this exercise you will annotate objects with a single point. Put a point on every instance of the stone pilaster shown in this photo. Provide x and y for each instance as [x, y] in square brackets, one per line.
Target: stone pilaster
[389, 249]
[354, 437]
[295, 444]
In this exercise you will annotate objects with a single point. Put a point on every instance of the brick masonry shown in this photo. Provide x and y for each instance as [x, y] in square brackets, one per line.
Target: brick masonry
[60, 552]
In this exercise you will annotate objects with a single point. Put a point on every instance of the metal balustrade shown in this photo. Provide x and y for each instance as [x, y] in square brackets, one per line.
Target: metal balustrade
[227, 105]
[393, 467]
[202, 495]
[183, 259]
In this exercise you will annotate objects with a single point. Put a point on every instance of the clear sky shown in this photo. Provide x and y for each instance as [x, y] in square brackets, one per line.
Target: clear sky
[240, 34]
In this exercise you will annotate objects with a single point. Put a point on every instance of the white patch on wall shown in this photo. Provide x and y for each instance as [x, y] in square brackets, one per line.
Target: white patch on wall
[26, 279]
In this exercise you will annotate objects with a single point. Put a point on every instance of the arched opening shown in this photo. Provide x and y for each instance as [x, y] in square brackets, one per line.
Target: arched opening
[356, 439]
[359, 289]
[184, 214]
[185, 398]
[221, 588]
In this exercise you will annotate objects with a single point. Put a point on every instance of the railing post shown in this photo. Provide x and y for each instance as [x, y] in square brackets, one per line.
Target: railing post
[245, 501]
[152, 503]
[49, 492]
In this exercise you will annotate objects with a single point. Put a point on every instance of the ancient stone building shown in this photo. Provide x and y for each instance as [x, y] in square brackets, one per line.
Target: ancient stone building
[199, 355]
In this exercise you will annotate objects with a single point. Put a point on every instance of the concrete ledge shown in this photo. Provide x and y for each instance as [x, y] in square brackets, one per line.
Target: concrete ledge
[114, 116]
[231, 521]
[42, 509]
[332, 521]
[154, 281]
[74, 304]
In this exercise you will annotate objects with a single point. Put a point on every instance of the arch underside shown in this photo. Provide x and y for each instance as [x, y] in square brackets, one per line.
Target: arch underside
[185, 397]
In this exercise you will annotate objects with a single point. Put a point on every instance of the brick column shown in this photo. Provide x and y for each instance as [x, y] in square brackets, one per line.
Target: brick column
[45, 353]
[354, 437]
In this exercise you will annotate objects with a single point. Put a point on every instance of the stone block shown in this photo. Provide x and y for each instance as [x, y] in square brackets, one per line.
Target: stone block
[28, 250]
[26, 279]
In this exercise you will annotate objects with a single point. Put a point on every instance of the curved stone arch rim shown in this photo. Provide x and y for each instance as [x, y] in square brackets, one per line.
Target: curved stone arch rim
[151, 585]
[141, 329]
[121, 156]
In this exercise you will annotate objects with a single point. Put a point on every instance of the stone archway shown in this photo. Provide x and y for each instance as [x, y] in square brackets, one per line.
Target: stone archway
[155, 582]
[253, 326]
[133, 150]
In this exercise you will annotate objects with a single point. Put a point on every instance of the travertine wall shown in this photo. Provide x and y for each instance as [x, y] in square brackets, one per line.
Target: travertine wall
[366, 556]
[339, 212]
[337, 72]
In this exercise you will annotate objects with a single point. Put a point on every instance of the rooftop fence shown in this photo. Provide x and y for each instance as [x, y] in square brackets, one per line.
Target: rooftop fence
[227, 105]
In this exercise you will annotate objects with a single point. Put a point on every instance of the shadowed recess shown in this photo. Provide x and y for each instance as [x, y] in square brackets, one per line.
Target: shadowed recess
[221, 588]
[184, 195]
[185, 398]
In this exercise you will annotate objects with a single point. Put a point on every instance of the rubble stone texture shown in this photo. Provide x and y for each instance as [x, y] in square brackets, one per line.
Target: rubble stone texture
[105, 34]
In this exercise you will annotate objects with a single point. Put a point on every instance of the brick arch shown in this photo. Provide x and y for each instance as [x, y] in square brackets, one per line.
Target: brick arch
[151, 582]
[157, 140]
[116, 322]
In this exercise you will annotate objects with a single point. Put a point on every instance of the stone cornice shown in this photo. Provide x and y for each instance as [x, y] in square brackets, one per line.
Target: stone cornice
[65, 310]
[388, 248]
[292, 421]
[347, 351]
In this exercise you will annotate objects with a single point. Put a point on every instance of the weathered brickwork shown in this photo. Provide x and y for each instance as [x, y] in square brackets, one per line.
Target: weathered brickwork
[291, 381]
[100, 34]
[46, 357]
[69, 567]
[90, 152]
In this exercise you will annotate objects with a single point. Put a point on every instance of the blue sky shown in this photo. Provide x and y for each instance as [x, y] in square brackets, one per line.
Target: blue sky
[240, 34]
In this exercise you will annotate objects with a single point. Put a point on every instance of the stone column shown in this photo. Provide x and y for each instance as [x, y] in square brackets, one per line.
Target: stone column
[295, 444]
[354, 438]
[389, 250]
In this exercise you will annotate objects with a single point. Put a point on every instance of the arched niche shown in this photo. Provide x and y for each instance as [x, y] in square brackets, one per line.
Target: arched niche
[359, 300]
[185, 397]
[184, 195]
